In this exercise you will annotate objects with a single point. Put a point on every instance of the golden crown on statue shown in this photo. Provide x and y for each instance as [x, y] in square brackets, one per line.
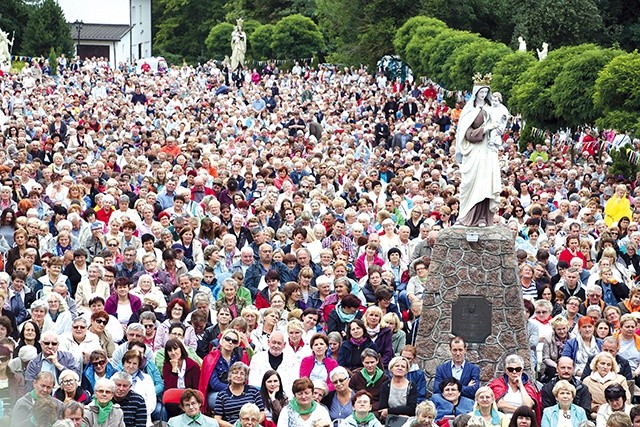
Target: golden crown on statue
[480, 80]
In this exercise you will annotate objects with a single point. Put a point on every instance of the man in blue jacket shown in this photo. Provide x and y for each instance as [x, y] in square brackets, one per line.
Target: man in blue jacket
[459, 368]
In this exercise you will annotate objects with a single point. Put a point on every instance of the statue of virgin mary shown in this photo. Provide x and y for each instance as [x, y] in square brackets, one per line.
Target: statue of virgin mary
[480, 184]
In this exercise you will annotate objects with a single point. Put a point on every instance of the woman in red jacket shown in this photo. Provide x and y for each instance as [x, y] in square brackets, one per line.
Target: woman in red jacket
[319, 344]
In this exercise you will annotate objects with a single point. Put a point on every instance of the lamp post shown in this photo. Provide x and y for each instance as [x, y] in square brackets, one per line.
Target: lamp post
[78, 26]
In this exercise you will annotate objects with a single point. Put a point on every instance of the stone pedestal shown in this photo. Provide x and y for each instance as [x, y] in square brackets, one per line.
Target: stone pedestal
[473, 289]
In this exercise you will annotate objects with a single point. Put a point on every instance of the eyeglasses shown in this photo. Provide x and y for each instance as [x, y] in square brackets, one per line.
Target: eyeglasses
[102, 321]
[112, 245]
[340, 380]
[79, 327]
[4, 359]
[68, 382]
[99, 362]
[516, 369]
[104, 391]
[231, 340]
[149, 326]
[49, 343]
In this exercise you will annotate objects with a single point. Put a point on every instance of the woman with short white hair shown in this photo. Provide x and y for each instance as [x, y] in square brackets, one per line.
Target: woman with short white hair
[103, 412]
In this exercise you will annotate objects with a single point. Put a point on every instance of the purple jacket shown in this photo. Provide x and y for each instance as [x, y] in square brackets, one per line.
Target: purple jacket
[111, 304]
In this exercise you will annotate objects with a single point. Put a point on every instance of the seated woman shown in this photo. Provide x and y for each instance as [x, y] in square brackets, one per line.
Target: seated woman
[273, 395]
[604, 373]
[190, 403]
[629, 342]
[379, 333]
[371, 377]
[563, 413]
[523, 417]
[70, 388]
[356, 340]
[215, 366]
[425, 415]
[616, 398]
[450, 402]
[553, 346]
[318, 366]
[583, 346]
[346, 310]
[338, 401]
[485, 407]
[398, 395]
[102, 411]
[514, 389]
[230, 400]
[178, 369]
[302, 411]
[362, 415]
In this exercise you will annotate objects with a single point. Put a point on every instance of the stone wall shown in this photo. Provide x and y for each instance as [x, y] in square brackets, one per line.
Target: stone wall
[486, 268]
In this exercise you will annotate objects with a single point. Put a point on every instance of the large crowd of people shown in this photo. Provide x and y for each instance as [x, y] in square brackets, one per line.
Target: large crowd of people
[213, 248]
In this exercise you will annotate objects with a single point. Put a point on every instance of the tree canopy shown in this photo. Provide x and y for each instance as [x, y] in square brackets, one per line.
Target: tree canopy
[47, 28]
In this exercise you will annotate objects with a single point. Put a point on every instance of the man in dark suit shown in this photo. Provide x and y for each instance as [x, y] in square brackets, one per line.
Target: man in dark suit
[381, 130]
[186, 292]
[466, 372]
[410, 108]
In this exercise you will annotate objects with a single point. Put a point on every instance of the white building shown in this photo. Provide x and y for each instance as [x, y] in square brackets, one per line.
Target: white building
[117, 29]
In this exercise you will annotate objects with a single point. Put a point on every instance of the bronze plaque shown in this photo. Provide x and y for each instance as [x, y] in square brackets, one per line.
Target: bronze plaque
[471, 318]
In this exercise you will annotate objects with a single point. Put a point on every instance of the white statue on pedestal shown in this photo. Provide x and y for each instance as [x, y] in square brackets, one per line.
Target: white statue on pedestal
[238, 46]
[522, 47]
[5, 53]
[542, 54]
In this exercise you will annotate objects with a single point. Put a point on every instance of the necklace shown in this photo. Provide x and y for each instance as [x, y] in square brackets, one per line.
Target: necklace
[567, 416]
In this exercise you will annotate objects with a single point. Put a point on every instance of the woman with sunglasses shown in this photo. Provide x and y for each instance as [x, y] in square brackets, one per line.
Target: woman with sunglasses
[99, 321]
[216, 365]
[98, 367]
[514, 389]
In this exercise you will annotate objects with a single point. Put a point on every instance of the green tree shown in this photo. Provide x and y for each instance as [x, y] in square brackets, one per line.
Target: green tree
[508, 70]
[443, 49]
[492, 19]
[557, 22]
[361, 31]
[47, 28]
[621, 164]
[416, 48]
[269, 11]
[477, 57]
[574, 87]
[410, 28]
[621, 20]
[617, 93]
[53, 61]
[14, 16]
[260, 41]
[295, 37]
[218, 41]
[184, 24]
[532, 94]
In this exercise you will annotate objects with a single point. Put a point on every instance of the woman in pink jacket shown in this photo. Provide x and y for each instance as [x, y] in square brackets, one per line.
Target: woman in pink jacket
[318, 366]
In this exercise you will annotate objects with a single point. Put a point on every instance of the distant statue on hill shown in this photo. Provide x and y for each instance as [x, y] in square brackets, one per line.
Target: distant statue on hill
[542, 54]
[522, 47]
[5, 53]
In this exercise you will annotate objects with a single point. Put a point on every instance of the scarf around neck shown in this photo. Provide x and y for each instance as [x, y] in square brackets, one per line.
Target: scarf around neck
[371, 381]
[344, 317]
[103, 411]
[367, 419]
[296, 407]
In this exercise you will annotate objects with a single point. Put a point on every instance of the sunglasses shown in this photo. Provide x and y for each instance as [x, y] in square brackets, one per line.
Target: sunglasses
[516, 369]
[102, 321]
[340, 380]
[99, 362]
[4, 359]
[49, 343]
[231, 340]
[79, 327]
[111, 245]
